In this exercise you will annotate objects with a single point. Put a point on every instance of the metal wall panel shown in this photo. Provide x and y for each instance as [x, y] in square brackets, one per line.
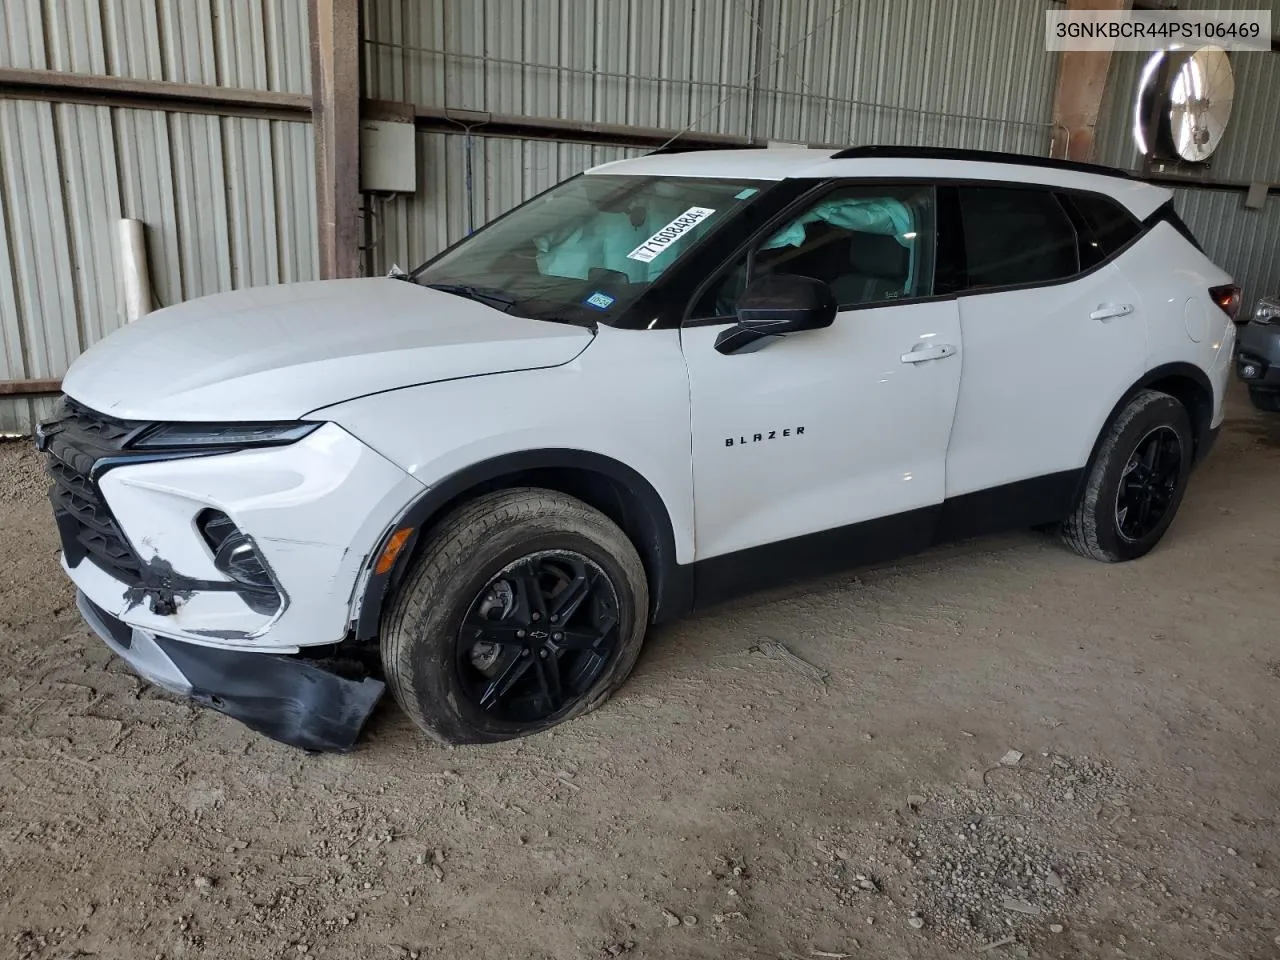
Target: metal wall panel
[228, 203]
[657, 63]
[1248, 149]
[818, 71]
[39, 242]
[1246, 243]
[1113, 142]
[912, 71]
[406, 230]
[254, 44]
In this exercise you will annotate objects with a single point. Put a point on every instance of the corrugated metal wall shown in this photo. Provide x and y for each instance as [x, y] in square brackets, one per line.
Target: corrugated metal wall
[817, 71]
[910, 71]
[253, 44]
[829, 71]
[407, 230]
[1248, 150]
[1244, 242]
[228, 202]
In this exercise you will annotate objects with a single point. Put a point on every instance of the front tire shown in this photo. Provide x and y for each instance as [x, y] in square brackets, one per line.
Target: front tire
[525, 608]
[1136, 482]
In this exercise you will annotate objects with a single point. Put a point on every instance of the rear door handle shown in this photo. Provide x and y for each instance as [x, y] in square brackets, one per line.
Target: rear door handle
[1107, 311]
[934, 352]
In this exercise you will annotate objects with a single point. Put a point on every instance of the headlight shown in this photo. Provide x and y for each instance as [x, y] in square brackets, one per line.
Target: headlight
[1267, 310]
[190, 435]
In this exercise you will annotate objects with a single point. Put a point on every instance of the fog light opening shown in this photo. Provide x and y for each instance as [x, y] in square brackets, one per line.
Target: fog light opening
[235, 555]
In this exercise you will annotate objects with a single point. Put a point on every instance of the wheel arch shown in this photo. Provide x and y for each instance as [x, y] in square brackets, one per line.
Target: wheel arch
[1187, 384]
[610, 486]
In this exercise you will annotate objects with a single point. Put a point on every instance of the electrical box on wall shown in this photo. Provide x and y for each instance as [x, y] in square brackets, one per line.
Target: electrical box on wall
[388, 156]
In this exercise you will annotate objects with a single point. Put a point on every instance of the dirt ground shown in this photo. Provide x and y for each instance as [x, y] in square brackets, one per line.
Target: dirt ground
[731, 801]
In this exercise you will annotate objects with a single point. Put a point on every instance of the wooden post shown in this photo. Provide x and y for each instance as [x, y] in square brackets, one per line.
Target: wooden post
[335, 116]
[1082, 79]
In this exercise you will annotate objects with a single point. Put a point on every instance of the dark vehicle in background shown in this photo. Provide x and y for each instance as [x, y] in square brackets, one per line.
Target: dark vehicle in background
[1258, 354]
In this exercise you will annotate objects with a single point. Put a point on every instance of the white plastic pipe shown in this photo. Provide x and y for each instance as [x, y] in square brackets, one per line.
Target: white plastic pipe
[133, 268]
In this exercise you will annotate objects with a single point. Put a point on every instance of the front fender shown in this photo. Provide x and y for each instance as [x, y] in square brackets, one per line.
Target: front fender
[620, 409]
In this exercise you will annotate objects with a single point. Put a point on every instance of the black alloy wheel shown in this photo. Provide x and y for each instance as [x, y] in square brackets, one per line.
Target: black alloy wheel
[538, 636]
[522, 609]
[1148, 483]
[1132, 488]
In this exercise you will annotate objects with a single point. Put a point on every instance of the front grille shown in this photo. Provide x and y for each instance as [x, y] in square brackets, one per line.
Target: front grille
[74, 441]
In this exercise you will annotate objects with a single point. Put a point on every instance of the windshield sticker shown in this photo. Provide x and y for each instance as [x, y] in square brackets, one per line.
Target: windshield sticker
[669, 234]
[743, 194]
[601, 301]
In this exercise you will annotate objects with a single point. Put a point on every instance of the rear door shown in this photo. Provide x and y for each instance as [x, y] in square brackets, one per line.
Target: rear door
[1054, 335]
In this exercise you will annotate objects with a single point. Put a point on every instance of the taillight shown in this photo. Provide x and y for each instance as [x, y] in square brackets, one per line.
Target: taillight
[1228, 297]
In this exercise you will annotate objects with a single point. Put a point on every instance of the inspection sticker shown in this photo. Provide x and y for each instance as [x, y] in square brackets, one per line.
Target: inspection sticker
[601, 301]
[669, 234]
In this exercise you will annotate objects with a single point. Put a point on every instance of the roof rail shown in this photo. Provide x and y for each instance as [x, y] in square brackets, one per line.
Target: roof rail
[691, 146]
[886, 151]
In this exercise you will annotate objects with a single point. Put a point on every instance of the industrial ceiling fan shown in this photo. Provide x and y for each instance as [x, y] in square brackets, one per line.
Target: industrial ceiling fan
[1183, 106]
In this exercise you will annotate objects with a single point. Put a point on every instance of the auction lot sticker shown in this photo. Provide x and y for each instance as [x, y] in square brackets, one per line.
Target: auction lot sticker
[669, 234]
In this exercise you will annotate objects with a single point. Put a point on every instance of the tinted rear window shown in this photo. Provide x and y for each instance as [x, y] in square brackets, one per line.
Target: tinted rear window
[1108, 226]
[1016, 236]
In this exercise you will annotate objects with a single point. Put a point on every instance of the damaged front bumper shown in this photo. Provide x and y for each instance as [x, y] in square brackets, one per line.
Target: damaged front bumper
[227, 575]
[293, 700]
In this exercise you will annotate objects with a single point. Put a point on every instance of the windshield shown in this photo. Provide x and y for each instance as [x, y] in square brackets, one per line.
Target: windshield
[588, 248]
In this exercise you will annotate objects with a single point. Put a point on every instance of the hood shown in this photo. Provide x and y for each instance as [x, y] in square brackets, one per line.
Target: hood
[279, 352]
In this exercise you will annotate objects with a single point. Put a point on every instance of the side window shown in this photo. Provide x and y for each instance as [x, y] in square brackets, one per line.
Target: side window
[1016, 235]
[1105, 226]
[869, 244]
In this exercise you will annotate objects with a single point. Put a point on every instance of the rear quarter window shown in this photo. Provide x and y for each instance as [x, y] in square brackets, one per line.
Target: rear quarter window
[1104, 225]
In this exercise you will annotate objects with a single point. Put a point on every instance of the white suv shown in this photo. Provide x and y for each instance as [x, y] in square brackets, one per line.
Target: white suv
[660, 383]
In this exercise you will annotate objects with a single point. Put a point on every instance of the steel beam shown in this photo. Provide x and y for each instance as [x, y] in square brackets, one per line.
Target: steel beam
[56, 86]
[480, 124]
[29, 388]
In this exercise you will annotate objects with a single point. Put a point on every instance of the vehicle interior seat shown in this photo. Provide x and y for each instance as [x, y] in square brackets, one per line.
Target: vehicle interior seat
[878, 270]
[859, 267]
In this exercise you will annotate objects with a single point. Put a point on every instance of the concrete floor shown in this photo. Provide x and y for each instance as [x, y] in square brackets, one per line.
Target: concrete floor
[726, 803]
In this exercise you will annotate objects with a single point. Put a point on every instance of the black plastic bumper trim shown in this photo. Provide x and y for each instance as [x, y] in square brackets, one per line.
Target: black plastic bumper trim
[285, 698]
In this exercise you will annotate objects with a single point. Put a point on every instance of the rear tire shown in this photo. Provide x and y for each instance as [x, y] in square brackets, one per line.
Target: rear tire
[1268, 400]
[525, 608]
[1136, 482]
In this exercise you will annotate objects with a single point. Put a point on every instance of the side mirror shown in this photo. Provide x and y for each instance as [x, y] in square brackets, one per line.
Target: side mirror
[774, 306]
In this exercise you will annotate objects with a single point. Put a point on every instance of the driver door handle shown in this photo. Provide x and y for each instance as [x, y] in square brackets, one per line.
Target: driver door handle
[933, 352]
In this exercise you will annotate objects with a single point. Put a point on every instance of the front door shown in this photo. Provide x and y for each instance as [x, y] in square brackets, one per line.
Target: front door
[840, 432]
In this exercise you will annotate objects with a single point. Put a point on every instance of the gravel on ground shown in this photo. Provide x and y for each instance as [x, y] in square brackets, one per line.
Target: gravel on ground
[995, 749]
